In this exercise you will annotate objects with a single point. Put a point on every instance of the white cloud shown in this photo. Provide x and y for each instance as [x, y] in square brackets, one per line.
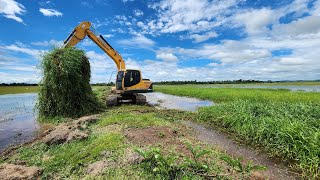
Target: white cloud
[178, 15]
[306, 25]
[25, 50]
[50, 12]
[142, 25]
[10, 9]
[138, 12]
[87, 42]
[102, 67]
[17, 69]
[52, 43]
[19, 77]
[203, 37]
[316, 8]
[213, 64]
[228, 52]
[166, 56]
[121, 17]
[257, 20]
[137, 42]
[108, 35]
[127, 1]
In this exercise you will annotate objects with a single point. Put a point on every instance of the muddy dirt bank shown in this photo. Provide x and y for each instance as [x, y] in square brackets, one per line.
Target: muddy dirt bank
[275, 170]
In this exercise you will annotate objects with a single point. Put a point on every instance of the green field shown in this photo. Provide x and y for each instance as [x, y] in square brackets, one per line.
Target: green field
[32, 89]
[28, 89]
[286, 124]
[311, 83]
[18, 89]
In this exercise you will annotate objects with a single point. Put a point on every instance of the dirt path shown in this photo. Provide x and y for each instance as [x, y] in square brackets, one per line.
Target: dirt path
[275, 170]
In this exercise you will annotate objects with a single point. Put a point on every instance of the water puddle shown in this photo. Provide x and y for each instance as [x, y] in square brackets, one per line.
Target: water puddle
[166, 101]
[18, 122]
[275, 169]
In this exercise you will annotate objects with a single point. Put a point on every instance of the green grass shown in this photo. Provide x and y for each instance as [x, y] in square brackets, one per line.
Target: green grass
[18, 89]
[69, 161]
[286, 124]
[311, 83]
[233, 94]
[35, 89]
[133, 120]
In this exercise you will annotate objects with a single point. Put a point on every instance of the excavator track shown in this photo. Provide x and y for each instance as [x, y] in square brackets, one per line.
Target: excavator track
[115, 99]
[140, 99]
[112, 100]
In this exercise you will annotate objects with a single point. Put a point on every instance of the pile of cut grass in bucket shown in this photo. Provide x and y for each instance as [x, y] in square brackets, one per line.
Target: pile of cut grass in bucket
[65, 89]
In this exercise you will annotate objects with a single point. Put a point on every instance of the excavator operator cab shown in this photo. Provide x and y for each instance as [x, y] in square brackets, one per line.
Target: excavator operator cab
[128, 77]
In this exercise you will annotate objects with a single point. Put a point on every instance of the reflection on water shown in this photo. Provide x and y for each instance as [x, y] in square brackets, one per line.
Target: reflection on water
[166, 101]
[17, 119]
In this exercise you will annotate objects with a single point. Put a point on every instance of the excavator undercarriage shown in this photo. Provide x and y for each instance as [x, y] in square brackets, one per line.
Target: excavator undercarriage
[136, 98]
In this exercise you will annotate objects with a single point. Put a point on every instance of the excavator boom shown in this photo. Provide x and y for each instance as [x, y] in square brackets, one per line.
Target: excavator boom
[83, 30]
[129, 82]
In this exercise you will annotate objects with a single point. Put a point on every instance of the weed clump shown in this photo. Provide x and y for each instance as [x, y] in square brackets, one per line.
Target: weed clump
[65, 89]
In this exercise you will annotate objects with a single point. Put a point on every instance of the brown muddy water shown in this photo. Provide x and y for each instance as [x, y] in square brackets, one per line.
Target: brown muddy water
[275, 170]
[18, 122]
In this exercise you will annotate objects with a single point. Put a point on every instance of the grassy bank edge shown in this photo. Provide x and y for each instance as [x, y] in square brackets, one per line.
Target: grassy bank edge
[238, 109]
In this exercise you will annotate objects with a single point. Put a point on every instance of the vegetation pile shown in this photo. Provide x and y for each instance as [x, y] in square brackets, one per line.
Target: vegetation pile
[65, 89]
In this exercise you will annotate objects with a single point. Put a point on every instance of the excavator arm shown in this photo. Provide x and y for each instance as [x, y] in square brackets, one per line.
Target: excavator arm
[83, 30]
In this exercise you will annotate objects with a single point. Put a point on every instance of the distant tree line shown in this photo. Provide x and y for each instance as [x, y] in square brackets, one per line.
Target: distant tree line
[104, 84]
[18, 84]
[240, 81]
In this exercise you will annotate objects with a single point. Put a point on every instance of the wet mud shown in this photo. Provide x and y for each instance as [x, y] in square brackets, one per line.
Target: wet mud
[275, 170]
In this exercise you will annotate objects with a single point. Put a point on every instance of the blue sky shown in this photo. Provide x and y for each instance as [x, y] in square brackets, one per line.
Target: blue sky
[169, 39]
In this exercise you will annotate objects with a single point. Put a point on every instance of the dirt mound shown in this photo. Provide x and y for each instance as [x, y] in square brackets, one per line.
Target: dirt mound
[134, 158]
[97, 168]
[11, 172]
[67, 132]
[87, 119]
[150, 135]
[64, 134]
[156, 135]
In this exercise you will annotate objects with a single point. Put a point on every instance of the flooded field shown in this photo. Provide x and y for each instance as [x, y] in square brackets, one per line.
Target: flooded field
[308, 88]
[17, 119]
[166, 101]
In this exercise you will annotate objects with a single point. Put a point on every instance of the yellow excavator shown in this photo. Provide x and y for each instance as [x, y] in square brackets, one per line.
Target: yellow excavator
[129, 82]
